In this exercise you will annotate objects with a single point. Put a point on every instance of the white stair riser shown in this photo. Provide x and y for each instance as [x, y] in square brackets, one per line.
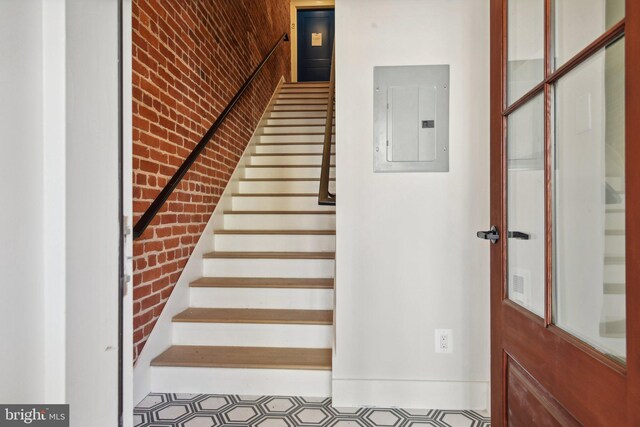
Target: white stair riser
[260, 382]
[297, 108]
[283, 186]
[310, 121]
[276, 172]
[302, 101]
[315, 159]
[279, 222]
[293, 138]
[305, 90]
[614, 274]
[281, 299]
[294, 129]
[294, 113]
[614, 220]
[274, 243]
[253, 335]
[295, 268]
[291, 149]
[313, 95]
[614, 246]
[278, 203]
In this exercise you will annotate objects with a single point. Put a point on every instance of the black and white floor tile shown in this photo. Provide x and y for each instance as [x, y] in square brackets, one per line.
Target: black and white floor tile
[206, 410]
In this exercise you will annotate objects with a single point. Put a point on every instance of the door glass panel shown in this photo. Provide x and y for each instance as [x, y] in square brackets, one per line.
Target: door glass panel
[589, 202]
[580, 22]
[525, 203]
[525, 58]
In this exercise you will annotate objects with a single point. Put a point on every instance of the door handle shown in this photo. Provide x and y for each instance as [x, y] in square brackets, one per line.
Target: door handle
[518, 235]
[492, 235]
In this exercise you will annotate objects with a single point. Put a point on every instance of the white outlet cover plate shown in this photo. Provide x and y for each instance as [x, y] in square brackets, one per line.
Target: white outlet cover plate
[448, 333]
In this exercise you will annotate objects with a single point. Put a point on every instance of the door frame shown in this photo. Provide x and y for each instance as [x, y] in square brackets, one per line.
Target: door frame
[559, 345]
[293, 39]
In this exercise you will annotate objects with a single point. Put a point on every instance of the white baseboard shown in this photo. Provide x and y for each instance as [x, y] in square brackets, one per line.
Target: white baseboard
[458, 395]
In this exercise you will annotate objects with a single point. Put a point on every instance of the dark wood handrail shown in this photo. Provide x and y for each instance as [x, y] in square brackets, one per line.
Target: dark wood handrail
[161, 199]
[324, 196]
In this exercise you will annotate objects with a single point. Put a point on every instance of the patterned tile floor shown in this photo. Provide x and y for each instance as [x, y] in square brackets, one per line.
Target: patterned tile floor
[207, 410]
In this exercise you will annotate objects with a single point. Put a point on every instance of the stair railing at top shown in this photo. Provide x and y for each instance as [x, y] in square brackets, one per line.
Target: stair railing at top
[324, 196]
[162, 197]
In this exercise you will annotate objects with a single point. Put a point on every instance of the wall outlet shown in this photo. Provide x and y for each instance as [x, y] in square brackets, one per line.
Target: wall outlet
[444, 340]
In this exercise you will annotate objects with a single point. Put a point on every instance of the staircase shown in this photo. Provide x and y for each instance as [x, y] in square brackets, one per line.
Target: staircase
[613, 318]
[260, 319]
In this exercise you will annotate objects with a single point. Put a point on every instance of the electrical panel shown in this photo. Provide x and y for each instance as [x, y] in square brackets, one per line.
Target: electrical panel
[411, 118]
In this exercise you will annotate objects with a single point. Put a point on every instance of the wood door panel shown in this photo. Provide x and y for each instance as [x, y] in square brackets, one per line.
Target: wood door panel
[566, 368]
[529, 404]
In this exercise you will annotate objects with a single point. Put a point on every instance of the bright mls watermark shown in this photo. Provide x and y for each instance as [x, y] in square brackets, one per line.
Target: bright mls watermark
[34, 415]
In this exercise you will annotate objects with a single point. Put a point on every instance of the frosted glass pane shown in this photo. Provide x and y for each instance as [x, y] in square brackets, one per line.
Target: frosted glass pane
[589, 202]
[580, 22]
[525, 203]
[525, 59]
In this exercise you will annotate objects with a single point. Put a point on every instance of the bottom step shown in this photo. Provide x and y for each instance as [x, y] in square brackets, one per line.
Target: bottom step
[245, 357]
[248, 382]
[243, 370]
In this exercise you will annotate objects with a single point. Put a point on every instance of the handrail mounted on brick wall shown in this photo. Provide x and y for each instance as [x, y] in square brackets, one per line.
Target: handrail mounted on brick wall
[162, 197]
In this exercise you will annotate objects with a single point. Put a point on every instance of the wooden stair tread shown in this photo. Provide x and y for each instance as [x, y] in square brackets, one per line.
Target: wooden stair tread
[262, 282]
[286, 166]
[292, 143]
[284, 154]
[294, 134]
[270, 255]
[255, 316]
[281, 179]
[275, 195]
[614, 288]
[279, 212]
[245, 357]
[614, 260]
[275, 232]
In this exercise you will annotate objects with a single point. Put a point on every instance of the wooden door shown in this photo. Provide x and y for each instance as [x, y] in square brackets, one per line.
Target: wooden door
[565, 200]
[315, 44]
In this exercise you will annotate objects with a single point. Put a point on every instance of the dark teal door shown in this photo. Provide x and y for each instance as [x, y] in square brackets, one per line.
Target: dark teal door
[315, 44]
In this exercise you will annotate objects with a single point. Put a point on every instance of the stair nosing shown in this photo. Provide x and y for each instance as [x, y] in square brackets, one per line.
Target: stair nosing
[254, 316]
[274, 195]
[286, 166]
[262, 283]
[282, 179]
[236, 364]
[277, 232]
[270, 144]
[245, 212]
[284, 154]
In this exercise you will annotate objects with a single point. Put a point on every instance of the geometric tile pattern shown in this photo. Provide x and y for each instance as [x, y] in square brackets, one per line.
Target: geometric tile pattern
[207, 410]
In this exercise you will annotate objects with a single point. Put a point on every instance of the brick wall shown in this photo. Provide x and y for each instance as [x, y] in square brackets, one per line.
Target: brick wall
[189, 59]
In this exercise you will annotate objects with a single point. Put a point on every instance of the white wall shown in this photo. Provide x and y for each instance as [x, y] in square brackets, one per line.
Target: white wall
[408, 261]
[60, 194]
[93, 214]
[21, 169]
